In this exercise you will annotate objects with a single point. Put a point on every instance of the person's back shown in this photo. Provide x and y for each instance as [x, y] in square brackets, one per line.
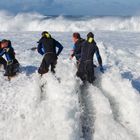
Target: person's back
[47, 47]
[88, 50]
[86, 68]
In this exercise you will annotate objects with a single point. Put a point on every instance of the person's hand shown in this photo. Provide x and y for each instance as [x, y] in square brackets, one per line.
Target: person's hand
[34, 49]
[6, 49]
[102, 69]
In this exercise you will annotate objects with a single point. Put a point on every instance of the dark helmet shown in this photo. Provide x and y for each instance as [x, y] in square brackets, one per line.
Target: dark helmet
[43, 33]
[90, 35]
[76, 35]
[46, 34]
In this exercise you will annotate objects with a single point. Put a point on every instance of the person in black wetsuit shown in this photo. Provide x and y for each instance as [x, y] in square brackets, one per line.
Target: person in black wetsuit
[11, 65]
[48, 47]
[76, 51]
[86, 67]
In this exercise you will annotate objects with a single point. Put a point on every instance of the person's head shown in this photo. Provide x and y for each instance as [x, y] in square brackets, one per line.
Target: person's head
[90, 37]
[46, 34]
[76, 37]
[4, 44]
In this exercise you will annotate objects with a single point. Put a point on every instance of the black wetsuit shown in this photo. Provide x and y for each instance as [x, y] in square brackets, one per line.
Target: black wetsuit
[47, 47]
[11, 65]
[86, 67]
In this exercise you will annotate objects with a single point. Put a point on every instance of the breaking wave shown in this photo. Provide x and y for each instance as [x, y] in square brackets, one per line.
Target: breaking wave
[37, 22]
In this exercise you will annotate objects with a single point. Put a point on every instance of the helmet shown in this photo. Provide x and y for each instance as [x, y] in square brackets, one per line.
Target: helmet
[90, 37]
[90, 34]
[46, 34]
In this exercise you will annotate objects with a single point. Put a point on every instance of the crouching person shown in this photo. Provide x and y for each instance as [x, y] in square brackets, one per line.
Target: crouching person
[11, 64]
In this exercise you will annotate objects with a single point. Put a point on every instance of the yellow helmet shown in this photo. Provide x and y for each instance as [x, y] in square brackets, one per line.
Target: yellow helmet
[46, 34]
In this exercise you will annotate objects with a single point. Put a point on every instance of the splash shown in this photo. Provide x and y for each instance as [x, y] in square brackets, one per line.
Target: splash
[37, 22]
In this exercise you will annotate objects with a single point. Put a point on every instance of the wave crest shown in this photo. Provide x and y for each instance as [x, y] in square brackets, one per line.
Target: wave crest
[37, 22]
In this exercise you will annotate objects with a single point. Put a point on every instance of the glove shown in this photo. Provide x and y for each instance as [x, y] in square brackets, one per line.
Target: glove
[102, 69]
[6, 49]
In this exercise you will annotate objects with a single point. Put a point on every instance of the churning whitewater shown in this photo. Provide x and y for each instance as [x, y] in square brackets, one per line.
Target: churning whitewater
[60, 107]
[38, 22]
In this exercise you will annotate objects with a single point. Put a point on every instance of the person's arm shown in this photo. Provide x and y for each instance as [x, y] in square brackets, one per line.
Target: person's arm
[72, 52]
[59, 46]
[6, 52]
[2, 52]
[40, 49]
[99, 58]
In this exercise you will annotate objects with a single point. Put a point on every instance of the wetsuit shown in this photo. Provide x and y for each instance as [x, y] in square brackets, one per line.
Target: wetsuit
[48, 48]
[86, 67]
[77, 49]
[12, 66]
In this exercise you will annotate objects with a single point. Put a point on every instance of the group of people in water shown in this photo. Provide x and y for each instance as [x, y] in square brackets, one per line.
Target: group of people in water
[83, 50]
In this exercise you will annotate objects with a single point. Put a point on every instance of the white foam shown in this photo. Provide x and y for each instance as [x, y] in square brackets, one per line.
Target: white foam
[114, 105]
[125, 100]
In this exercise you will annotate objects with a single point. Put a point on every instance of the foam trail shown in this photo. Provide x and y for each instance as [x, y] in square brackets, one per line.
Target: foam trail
[124, 98]
[104, 124]
[62, 103]
[87, 113]
[37, 22]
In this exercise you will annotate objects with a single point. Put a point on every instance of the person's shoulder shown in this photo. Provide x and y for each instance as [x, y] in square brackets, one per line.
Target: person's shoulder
[94, 43]
[82, 40]
[55, 41]
[85, 42]
[95, 46]
[10, 49]
[41, 40]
